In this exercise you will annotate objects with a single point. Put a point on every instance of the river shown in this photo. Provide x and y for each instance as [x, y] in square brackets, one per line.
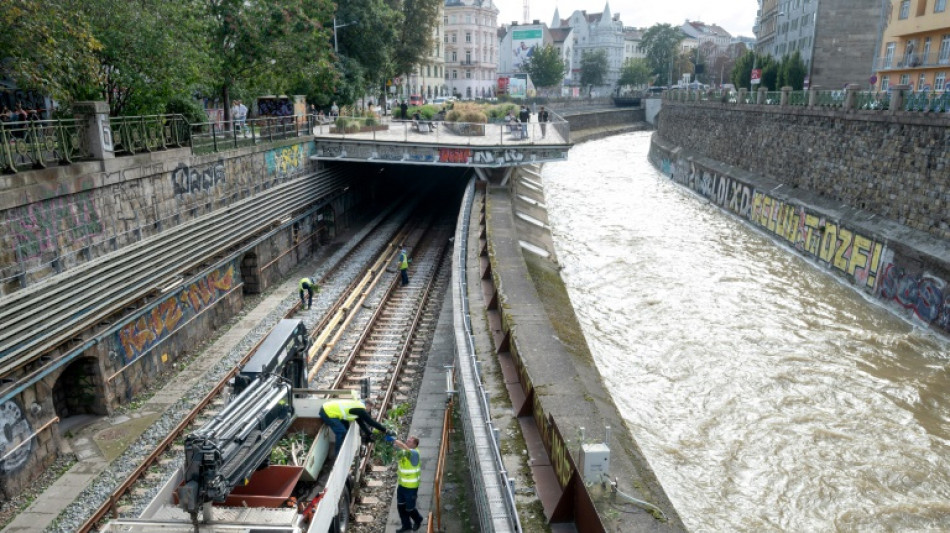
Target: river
[766, 395]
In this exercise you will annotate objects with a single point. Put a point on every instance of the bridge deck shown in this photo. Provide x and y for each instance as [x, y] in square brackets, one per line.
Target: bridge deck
[446, 143]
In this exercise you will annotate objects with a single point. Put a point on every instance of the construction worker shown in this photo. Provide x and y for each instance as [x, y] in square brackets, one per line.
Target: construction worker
[337, 414]
[307, 284]
[403, 261]
[409, 475]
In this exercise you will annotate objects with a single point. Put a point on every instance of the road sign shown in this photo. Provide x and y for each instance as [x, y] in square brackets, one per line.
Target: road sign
[872, 80]
[756, 76]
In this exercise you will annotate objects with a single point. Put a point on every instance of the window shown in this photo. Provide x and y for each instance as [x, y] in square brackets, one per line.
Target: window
[885, 83]
[468, 74]
[905, 9]
[446, 39]
[944, 56]
[428, 71]
[468, 58]
[940, 81]
[454, 38]
[921, 82]
[452, 19]
[905, 79]
[455, 74]
[940, 6]
[889, 54]
[455, 56]
[468, 36]
[925, 55]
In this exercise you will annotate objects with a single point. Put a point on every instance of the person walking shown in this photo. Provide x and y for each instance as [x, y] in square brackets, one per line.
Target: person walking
[334, 111]
[337, 415]
[543, 118]
[242, 117]
[403, 261]
[524, 116]
[409, 474]
[404, 110]
[307, 284]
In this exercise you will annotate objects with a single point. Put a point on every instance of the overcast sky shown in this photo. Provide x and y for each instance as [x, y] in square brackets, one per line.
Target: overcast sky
[736, 16]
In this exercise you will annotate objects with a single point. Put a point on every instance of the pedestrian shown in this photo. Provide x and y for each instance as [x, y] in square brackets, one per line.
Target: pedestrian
[409, 474]
[337, 415]
[307, 284]
[404, 110]
[543, 118]
[334, 111]
[242, 116]
[524, 116]
[404, 261]
[234, 114]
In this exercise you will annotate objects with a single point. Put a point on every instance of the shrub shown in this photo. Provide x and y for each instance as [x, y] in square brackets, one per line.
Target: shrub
[371, 120]
[340, 123]
[193, 112]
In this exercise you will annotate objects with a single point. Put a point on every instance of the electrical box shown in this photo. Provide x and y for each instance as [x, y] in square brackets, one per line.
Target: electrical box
[595, 461]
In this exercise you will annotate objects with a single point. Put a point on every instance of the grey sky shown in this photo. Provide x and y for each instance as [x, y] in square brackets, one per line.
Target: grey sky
[736, 16]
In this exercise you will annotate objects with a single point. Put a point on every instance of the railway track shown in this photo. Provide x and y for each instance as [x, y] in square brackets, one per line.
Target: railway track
[328, 318]
[38, 321]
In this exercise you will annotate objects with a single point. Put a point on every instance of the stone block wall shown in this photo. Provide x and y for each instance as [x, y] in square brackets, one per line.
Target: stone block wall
[57, 218]
[894, 165]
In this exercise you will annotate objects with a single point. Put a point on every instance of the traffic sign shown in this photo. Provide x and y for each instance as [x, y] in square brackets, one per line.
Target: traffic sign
[756, 76]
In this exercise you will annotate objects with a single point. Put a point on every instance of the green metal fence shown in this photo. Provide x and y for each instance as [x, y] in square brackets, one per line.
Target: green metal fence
[40, 143]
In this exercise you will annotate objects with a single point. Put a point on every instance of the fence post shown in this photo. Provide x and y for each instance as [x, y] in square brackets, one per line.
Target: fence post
[98, 131]
[851, 95]
[760, 95]
[897, 98]
[785, 92]
[813, 96]
[742, 93]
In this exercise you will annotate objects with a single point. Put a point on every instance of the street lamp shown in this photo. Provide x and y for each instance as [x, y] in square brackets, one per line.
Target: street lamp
[336, 46]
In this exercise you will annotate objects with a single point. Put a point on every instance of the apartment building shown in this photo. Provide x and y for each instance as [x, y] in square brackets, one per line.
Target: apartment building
[470, 42]
[915, 47]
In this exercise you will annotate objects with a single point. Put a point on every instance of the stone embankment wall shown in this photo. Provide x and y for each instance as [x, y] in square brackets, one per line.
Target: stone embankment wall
[590, 125]
[866, 195]
[54, 219]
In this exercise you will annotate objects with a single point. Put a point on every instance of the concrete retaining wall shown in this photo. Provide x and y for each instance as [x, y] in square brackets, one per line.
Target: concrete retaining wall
[905, 268]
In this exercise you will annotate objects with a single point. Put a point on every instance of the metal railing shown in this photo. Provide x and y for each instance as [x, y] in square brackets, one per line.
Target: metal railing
[41, 143]
[495, 500]
[210, 137]
[150, 133]
[899, 98]
[935, 58]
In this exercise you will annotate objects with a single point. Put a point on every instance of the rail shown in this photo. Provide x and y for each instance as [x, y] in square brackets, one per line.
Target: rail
[899, 99]
[489, 475]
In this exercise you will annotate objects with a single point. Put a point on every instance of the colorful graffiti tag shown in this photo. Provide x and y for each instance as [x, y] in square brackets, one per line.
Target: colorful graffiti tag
[187, 179]
[864, 259]
[288, 161]
[137, 337]
[16, 438]
[42, 226]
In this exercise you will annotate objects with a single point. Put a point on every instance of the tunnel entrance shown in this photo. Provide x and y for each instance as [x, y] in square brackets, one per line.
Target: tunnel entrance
[77, 391]
[251, 273]
[324, 227]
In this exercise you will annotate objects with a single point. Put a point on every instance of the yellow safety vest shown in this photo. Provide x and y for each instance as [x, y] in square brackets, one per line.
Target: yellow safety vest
[403, 261]
[341, 409]
[306, 281]
[409, 474]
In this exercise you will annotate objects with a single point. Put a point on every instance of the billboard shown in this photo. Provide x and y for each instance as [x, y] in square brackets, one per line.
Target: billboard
[518, 86]
[523, 45]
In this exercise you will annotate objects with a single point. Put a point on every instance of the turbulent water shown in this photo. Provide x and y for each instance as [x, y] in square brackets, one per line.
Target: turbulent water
[766, 395]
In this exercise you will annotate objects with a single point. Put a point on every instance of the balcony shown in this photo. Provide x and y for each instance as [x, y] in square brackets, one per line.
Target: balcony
[913, 61]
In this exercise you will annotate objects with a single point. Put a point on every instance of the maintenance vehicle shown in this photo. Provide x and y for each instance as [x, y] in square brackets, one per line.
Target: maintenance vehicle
[227, 482]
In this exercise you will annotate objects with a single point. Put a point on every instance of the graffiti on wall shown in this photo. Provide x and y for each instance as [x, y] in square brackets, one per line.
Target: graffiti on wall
[287, 161]
[41, 226]
[138, 336]
[187, 180]
[925, 295]
[863, 258]
[16, 438]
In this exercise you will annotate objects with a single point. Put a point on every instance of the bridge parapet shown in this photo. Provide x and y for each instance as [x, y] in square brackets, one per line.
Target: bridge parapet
[440, 143]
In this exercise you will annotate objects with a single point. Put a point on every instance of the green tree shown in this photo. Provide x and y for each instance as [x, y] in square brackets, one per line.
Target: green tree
[144, 61]
[660, 43]
[792, 72]
[593, 67]
[635, 71]
[414, 37]
[46, 47]
[546, 67]
[366, 48]
[742, 72]
[266, 45]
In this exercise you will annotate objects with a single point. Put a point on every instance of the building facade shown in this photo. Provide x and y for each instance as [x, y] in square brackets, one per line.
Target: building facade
[837, 39]
[590, 32]
[470, 42]
[915, 47]
[428, 80]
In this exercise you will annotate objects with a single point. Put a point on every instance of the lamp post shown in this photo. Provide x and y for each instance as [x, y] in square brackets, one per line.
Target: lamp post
[336, 46]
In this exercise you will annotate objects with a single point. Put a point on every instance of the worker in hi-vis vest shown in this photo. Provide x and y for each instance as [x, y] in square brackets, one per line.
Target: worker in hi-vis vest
[409, 476]
[337, 414]
[307, 284]
[404, 261]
